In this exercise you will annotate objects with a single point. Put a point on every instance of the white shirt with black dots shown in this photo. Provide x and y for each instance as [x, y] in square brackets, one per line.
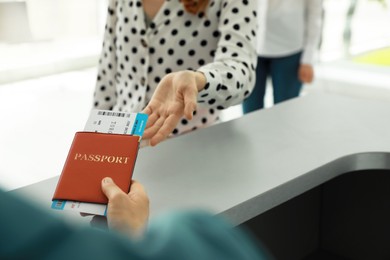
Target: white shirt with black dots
[220, 43]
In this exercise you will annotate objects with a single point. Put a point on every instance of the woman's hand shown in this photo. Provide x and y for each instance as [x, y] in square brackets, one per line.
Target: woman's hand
[126, 213]
[175, 97]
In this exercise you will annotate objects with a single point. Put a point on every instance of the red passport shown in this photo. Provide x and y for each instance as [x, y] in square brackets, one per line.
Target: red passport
[92, 157]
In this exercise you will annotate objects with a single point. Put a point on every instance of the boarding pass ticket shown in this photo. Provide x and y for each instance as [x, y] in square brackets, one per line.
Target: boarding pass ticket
[104, 121]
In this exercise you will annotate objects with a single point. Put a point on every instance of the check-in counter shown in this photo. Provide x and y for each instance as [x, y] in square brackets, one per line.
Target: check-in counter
[279, 171]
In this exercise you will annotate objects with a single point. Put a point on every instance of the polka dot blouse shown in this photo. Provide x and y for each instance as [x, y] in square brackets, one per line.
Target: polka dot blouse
[135, 57]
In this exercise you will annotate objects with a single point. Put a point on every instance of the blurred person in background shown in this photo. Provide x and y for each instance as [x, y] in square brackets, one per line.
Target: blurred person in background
[289, 33]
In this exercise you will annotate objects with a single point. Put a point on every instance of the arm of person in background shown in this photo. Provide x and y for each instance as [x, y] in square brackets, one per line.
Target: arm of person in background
[27, 232]
[222, 83]
[312, 36]
[104, 96]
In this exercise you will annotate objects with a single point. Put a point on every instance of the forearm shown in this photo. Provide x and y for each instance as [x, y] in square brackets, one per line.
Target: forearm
[313, 29]
[231, 76]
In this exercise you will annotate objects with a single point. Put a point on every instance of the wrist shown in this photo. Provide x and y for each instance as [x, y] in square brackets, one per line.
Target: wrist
[200, 80]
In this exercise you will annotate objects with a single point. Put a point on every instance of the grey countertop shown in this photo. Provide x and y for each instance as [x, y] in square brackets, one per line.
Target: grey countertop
[246, 166]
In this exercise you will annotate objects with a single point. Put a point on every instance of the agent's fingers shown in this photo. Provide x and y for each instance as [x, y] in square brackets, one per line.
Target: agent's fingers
[147, 110]
[152, 116]
[169, 124]
[190, 96]
[153, 129]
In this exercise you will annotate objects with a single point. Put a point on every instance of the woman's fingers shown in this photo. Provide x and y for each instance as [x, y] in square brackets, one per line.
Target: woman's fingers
[152, 116]
[169, 124]
[154, 128]
[190, 96]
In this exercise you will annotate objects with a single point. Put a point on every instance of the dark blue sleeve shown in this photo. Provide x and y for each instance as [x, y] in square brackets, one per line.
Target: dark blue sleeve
[27, 232]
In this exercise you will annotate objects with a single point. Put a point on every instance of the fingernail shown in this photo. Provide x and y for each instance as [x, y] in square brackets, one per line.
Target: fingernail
[107, 180]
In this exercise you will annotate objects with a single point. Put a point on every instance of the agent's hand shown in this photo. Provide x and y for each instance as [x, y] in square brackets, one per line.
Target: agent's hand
[126, 213]
[175, 97]
[306, 73]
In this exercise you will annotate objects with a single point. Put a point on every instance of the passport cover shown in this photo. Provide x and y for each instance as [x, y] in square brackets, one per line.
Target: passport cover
[93, 156]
